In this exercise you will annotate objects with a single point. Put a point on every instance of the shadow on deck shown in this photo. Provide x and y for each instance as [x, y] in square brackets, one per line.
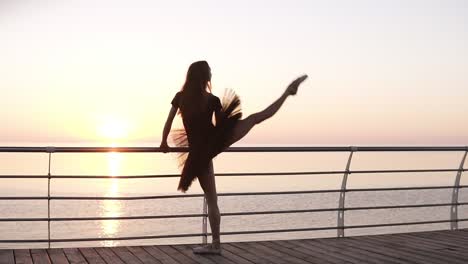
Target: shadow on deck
[422, 247]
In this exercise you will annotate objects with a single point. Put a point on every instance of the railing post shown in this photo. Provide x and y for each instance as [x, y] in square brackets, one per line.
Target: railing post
[205, 222]
[49, 150]
[341, 205]
[455, 191]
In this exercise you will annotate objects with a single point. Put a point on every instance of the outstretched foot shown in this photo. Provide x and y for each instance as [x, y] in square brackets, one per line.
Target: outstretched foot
[208, 249]
[292, 88]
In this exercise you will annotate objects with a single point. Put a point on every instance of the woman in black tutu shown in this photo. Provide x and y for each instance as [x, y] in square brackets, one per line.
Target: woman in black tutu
[205, 140]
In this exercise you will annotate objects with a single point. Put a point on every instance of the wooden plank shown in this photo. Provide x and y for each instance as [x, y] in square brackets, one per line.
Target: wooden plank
[401, 242]
[141, 254]
[40, 256]
[7, 256]
[430, 243]
[456, 235]
[338, 249]
[271, 259]
[346, 245]
[126, 255]
[442, 247]
[108, 255]
[57, 256]
[314, 254]
[329, 251]
[414, 247]
[459, 232]
[461, 247]
[181, 258]
[459, 241]
[196, 257]
[394, 252]
[433, 238]
[278, 254]
[74, 256]
[226, 256]
[293, 253]
[380, 251]
[159, 255]
[244, 254]
[23, 256]
[401, 249]
[91, 256]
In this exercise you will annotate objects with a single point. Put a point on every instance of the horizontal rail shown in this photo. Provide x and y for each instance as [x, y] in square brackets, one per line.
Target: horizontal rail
[342, 191]
[227, 233]
[225, 194]
[99, 239]
[289, 173]
[146, 217]
[234, 149]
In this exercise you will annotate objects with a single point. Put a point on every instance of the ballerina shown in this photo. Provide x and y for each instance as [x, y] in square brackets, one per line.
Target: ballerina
[206, 140]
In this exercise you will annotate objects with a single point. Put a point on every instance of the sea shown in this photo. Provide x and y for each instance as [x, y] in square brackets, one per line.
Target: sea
[132, 164]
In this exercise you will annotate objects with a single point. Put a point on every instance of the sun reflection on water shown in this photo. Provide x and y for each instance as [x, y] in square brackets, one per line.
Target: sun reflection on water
[112, 208]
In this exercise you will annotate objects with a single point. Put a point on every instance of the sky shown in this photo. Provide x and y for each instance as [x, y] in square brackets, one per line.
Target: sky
[101, 72]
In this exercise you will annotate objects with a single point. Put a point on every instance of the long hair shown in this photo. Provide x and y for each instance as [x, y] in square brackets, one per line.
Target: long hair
[198, 80]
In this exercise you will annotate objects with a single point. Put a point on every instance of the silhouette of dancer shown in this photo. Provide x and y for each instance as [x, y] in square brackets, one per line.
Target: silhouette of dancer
[205, 140]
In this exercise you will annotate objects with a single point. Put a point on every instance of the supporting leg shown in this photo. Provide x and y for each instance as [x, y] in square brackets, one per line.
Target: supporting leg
[207, 182]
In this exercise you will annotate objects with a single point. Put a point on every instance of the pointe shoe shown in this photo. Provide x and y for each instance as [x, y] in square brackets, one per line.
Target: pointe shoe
[207, 249]
[292, 88]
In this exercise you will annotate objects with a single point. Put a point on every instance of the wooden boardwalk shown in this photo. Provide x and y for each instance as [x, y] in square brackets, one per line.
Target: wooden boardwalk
[424, 247]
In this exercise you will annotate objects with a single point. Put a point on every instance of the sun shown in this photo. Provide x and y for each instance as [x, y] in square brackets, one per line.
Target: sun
[113, 128]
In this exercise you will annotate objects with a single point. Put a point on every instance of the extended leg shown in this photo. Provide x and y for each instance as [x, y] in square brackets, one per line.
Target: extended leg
[245, 125]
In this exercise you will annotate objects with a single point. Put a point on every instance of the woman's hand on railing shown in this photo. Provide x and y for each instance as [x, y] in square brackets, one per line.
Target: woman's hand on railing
[164, 147]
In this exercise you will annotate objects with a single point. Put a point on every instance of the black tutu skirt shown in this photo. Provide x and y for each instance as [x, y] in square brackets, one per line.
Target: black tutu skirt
[196, 161]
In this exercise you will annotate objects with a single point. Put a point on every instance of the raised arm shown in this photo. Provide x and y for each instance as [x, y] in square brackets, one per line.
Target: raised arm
[167, 128]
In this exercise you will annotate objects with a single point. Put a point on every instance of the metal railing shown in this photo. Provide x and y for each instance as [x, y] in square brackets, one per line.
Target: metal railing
[341, 209]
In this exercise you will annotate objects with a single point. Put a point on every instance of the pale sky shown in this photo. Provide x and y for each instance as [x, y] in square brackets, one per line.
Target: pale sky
[101, 72]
